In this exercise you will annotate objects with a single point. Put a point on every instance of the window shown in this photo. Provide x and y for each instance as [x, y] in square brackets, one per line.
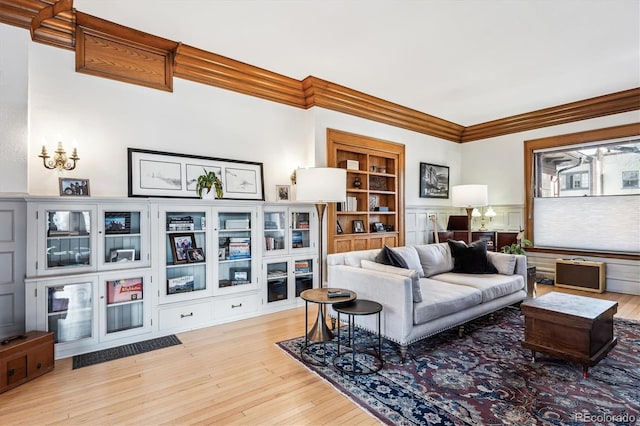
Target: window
[630, 179]
[583, 192]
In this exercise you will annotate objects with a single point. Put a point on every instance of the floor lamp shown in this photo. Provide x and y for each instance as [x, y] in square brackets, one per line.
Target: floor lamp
[321, 185]
[469, 196]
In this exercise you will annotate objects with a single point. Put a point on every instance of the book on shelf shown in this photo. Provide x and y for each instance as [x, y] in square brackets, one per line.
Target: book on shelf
[302, 267]
[236, 224]
[239, 251]
[180, 223]
[124, 290]
[296, 239]
[351, 204]
[276, 274]
[180, 284]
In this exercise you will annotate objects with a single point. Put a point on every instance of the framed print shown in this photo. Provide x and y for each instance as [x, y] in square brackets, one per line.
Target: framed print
[180, 244]
[195, 255]
[282, 192]
[434, 181]
[338, 228]
[377, 227]
[167, 174]
[240, 275]
[117, 223]
[358, 227]
[122, 255]
[73, 187]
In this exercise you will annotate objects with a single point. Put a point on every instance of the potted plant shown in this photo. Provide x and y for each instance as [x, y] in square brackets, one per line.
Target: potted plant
[207, 181]
[516, 248]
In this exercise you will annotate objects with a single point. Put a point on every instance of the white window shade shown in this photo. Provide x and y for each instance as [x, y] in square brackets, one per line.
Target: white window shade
[588, 223]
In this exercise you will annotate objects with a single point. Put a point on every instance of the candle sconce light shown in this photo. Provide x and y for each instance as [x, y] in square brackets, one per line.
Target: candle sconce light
[60, 161]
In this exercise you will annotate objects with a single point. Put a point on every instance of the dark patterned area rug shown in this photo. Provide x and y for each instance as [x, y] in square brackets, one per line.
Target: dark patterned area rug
[487, 378]
[110, 354]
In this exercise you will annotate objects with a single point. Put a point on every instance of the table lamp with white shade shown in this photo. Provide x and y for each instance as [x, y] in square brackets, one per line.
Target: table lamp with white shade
[469, 196]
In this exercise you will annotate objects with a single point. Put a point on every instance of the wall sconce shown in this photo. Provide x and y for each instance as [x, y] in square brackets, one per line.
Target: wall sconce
[60, 160]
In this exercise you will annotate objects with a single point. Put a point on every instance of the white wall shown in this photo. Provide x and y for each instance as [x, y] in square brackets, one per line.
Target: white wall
[13, 109]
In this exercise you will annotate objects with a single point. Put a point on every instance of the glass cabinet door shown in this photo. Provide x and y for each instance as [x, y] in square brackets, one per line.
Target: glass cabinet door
[301, 230]
[124, 303]
[277, 281]
[70, 311]
[123, 243]
[275, 232]
[185, 254]
[235, 251]
[68, 239]
[304, 273]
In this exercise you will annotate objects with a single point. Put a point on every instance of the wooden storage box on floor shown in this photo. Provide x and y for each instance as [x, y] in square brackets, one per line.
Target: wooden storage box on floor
[25, 358]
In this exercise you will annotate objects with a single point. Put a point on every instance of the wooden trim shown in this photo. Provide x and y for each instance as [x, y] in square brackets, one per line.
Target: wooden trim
[558, 141]
[332, 96]
[614, 103]
[582, 253]
[215, 70]
[53, 22]
[109, 50]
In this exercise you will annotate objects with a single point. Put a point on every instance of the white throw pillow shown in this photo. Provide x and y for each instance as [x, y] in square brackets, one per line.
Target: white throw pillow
[503, 262]
[411, 273]
[435, 258]
[410, 255]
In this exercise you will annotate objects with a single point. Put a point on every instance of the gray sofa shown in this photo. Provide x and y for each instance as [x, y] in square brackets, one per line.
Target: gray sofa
[426, 297]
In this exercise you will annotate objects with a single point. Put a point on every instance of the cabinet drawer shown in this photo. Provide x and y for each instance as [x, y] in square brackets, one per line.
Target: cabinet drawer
[234, 306]
[185, 317]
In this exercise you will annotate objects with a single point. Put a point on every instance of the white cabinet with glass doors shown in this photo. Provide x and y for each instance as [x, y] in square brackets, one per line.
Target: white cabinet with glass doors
[285, 278]
[289, 230]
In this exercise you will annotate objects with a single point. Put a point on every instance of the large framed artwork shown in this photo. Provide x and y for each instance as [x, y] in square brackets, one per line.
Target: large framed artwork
[166, 174]
[434, 181]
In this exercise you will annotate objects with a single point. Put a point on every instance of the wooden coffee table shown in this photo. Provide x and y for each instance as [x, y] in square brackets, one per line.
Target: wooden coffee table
[575, 328]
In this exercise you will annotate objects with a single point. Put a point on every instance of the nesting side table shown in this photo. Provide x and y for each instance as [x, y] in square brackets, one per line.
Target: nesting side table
[361, 361]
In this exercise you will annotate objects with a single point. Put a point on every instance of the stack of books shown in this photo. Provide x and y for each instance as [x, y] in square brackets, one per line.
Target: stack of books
[239, 248]
[180, 223]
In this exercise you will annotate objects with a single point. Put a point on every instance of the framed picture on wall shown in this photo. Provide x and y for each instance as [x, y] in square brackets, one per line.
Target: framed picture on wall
[73, 187]
[434, 181]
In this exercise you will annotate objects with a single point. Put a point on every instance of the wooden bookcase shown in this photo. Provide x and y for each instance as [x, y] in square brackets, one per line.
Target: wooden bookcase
[378, 166]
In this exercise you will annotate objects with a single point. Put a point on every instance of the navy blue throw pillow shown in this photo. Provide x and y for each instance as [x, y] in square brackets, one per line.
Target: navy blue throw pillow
[472, 258]
[389, 257]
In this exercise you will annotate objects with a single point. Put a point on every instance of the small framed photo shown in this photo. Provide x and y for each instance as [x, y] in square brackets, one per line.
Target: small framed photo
[282, 192]
[74, 187]
[338, 228]
[122, 255]
[377, 227]
[195, 255]
[180, 244]
[117, 223]
[240, 275]
[222, 253]
[358, 227]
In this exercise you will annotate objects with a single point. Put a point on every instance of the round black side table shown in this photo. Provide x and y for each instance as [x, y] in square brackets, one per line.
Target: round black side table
[361, 361]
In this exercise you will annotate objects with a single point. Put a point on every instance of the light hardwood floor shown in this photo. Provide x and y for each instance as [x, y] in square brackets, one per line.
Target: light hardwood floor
[227, 374]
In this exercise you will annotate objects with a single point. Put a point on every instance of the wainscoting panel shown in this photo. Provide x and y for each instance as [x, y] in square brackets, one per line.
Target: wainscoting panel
[13, 237]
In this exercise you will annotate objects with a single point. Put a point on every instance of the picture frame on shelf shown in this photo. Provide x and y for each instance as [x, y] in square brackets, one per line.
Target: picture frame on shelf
[358, 226]
[434, 181]
[74, 187]
[117, 223]
[377, 227]
[240, 275]
[339, 228]
[222, 253]
[174, 175]
[122, 255]
[283, 192]
[180, 244]
[195, 255]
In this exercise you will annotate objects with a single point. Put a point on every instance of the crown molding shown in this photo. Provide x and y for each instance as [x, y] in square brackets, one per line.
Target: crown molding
[55, 23]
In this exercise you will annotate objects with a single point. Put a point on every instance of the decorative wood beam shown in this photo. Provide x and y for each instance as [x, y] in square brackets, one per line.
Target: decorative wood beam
[109, 50]
[614, 103]
[216, 70]
[54, 25]
[332, 96]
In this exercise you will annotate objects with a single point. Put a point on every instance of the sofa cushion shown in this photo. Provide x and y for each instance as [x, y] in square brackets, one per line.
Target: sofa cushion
[503, 262]
[470, 259]
[410, 256]
[388, 257]
[441, 299]
[435, 258]
[353, 258]
[492, 286]
[411, 273]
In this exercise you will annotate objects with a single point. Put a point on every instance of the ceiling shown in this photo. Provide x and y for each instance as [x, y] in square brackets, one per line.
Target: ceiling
[466, 61]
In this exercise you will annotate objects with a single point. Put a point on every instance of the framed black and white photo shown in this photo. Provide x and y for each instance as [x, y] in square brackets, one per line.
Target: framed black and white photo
[282, 192]
[240, 275]
[167, 174]
[122, 255]
[358, 227]
[338, 228]
[74, 187]
[180, 245]
[434, 181]
[195, 255]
